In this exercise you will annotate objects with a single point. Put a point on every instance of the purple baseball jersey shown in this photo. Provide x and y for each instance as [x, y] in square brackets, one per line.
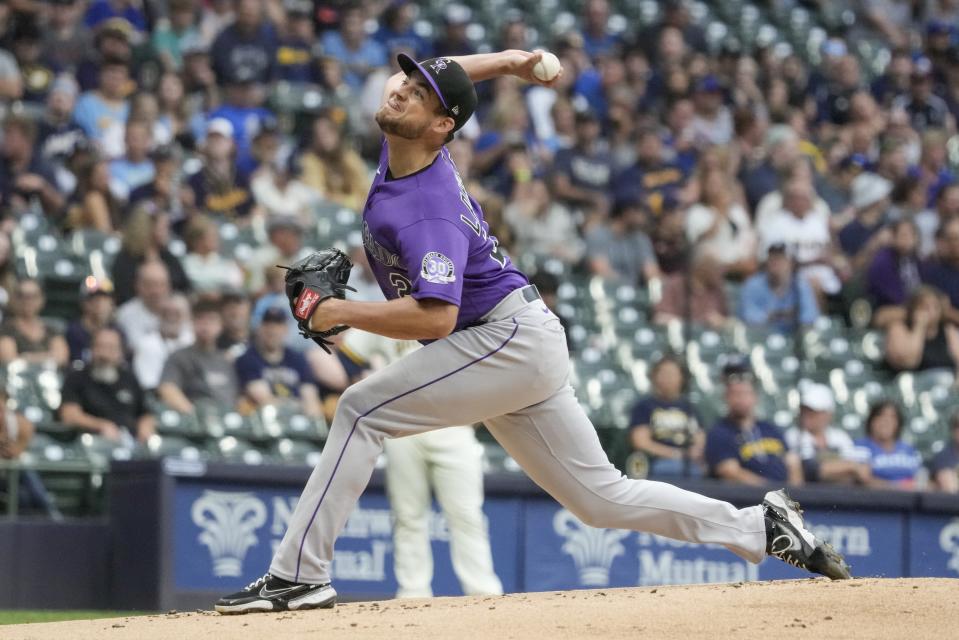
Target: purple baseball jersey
[425, 237]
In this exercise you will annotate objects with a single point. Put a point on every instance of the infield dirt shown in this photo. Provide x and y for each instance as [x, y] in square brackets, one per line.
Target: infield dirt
[911, 608]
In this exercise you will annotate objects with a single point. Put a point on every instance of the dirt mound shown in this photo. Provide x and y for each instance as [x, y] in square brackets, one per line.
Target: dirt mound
[909, 607]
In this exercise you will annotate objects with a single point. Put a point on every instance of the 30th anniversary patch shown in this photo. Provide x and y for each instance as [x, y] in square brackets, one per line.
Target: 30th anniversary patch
[437, 268]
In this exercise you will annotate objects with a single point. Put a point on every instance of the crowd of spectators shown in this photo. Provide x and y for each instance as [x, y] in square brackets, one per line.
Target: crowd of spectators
[660, 157]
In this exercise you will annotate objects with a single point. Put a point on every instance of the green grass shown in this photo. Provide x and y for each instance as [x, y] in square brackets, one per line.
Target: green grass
[21, 617]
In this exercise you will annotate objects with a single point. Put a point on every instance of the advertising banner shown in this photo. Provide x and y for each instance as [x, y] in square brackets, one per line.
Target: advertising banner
[225, 536]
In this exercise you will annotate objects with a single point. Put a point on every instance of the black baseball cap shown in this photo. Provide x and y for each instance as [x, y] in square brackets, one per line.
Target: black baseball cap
[449, 81]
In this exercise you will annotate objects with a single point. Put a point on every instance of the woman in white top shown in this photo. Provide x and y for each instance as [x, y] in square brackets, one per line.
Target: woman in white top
[719, 226]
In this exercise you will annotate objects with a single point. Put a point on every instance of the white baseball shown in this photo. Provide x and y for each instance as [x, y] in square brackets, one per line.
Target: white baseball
[547, 68]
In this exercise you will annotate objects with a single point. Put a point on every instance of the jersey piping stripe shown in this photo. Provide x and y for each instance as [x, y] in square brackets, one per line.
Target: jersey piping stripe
[339, 459]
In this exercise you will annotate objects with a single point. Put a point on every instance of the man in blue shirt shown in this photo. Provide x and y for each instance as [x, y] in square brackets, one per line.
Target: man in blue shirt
[357, 52]
[269, 371]
[775, 297]
[743, 449]
[245, 51]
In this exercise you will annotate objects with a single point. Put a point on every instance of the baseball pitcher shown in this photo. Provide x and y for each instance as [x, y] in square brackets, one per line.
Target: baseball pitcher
[494, 354]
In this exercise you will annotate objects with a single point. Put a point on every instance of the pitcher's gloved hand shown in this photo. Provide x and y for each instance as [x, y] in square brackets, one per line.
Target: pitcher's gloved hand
[310, 281]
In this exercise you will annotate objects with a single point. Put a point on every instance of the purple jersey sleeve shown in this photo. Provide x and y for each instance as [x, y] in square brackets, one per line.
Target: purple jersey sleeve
[435, 253]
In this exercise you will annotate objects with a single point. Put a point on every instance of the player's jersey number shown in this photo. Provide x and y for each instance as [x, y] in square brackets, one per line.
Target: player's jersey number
[400, 284]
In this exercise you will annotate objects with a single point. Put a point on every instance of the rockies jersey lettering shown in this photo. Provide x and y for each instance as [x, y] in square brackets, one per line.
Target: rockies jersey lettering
[426, 237]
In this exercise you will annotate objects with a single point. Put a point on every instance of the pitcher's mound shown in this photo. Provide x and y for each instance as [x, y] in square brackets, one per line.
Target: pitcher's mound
[871, 608]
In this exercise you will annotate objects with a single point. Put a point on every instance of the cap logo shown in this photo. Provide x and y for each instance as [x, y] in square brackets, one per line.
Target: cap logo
[439, 65]
[455, 110]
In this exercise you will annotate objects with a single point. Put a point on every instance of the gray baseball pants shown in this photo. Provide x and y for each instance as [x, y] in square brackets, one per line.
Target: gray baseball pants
[511, 373]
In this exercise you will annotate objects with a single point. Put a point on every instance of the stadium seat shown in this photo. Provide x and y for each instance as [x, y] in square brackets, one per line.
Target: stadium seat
[295, 452]
[284, 420]
[236, 450]
[169, 446]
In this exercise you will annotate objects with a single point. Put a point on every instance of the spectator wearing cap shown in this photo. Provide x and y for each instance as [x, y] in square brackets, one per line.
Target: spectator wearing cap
[103, 112]
[353, 48]
[58, 135]
[894, 274]
[65, 38]
[582, 174]
[114, 42]
[893, 462]
[396, 30]
[867, 232]
[454, 40]
[718, 225]
[331, 167]
[153, 347]
[294, 53]
[217, 187]
[619, 249]
[146, 236]
[245, 51]
[827, 453]
[925, 339]
[742, 448]
[96, 312]
[24, 176]
[776, 298]
[171, 33]
[926, 110]
[25, 334]
[944, 467]
[38, 74]
[200, 372]
[942, 273]
[103, 396]
[134, 168]
[664, 425]
[208, 270]
[713, 122]
[270, 372]
[243, 108]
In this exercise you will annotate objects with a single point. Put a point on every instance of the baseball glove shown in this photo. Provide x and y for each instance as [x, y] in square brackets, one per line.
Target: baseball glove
[310, 281]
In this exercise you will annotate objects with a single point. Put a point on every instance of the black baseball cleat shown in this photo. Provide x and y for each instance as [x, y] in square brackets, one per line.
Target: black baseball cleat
[270, 593]
[788, 539]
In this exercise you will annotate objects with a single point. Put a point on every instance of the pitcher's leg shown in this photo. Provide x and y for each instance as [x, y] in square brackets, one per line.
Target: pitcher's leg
[461, 379]
[456, 471]
[557, 446]
[407, 485]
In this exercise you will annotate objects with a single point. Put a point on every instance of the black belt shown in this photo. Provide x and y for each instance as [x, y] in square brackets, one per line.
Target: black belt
[530, 293]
